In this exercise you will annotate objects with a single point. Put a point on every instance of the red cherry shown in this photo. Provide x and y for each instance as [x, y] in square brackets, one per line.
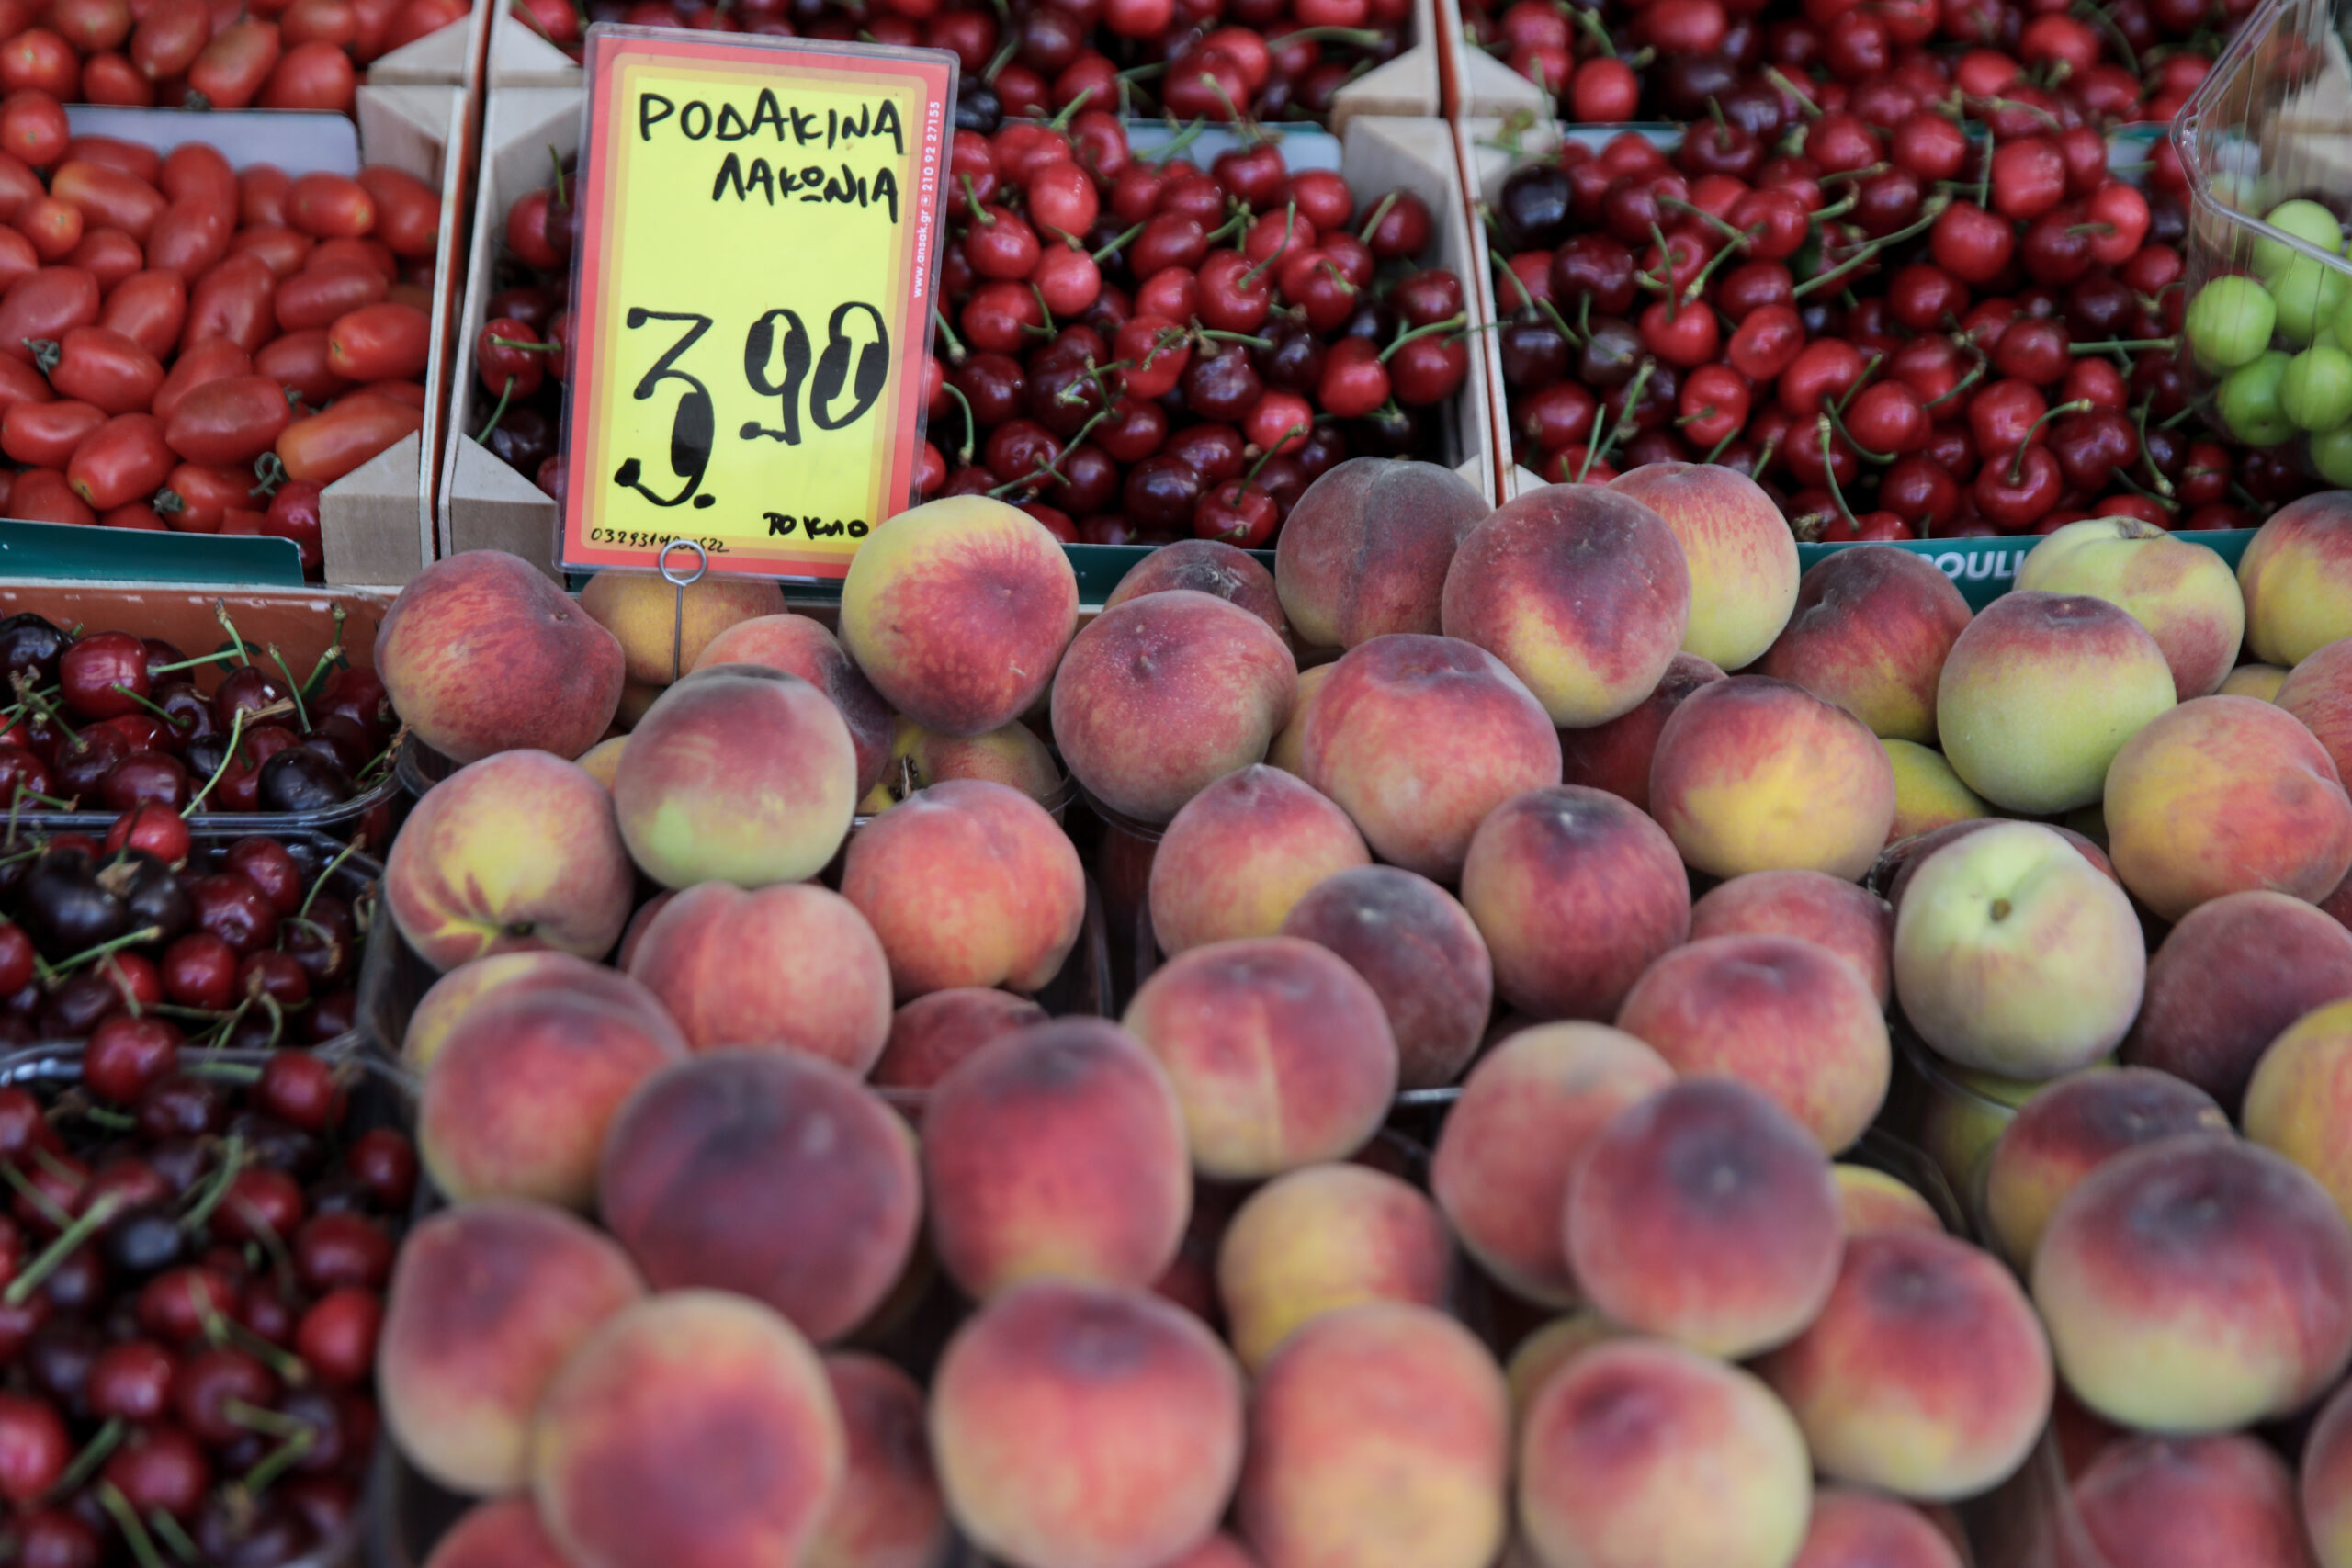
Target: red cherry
[127, 1054]
[337, 1336]
[157, 829]
[34, 1448]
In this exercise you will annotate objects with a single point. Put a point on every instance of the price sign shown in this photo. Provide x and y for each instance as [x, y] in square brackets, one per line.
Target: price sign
[752, 296]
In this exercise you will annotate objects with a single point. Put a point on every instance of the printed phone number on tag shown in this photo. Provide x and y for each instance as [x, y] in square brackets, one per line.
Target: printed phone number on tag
[648, 541]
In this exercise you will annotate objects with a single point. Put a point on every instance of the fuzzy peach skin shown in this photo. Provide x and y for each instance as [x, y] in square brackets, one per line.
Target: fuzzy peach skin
[2227, 979]
[1527, 1112]
[1365, 549]
[800, 645]
[1640, 1454]
[1280, 1053]
[693, 1429]
[1421, 954]
[486, 1301]
[1582, 592]
[1242, 853]
[959, 612]
[2193, 1502]
[932, 1033]
[1898, 863]
[1616, 755]
[888, 1513]
[1056, 1151]
[2038, 694]
[1862, 1529]
[1167, 693]
[2013, 955]
[1777, 1012]
[1964, 1115]
[1417, 738]
[1055, 1381]
[514, 853]
[794, 967]
[2183, 593]
[1577, 892]
[1012, 756]
[1287, 750]
[2295, 1105]
[1741, 554]
[2069, 1129]
[2296, 575]
[1868, 1199]
[663, 630]
[1871, 628]
[2224, 795]
[1757, 775]
[603, 759]
[483, 653]
[1322, 1238]
[1379, 1437]
[967, 884]
[2195, 1285]
[738, 773]
[461, 990]
[504, 1534]
[2253, 681]
[1548, 1349]
[1852, 922]
[1217, 1551]
[1928, 793]
[1926, 1373]
[1206, 566]
[2318, 692]
[2326, 1486]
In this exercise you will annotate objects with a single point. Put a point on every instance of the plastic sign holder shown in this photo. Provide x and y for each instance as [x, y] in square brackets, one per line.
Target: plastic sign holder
[752, 294]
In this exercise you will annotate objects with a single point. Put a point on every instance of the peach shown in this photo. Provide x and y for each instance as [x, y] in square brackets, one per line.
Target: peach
[2253, 681]
[1962, 1116]
[516, 853]
[461, 990]
[663, 630]
[2197, 1285]
[1056, 1151]
[2296, 575]
[1242, 853]
[959, 612]
[1379, 1437]
[518, 1097]
[1012, 756]
[1576, 892]
[1204, 565]
[1928, 793]
[1868, 1197]
[1054, 1379]
[2294, 1104]
[1776, 1012]
[1548, 1349]
[1322, 1238]
[1421, 954]
[1365, 549]
[1503, 1158]
[1741, 555]
[2192, 1503]
[1417, 738]
[1757, 775]
[738, 773]
[603, 759]
[2326, 1486]
[1925, 1374]
[1615, 755]
[1217, 1551]
[483, 653]
[2182, 592]
[1167, 693]
[1703, 1213]
[2038, 694]
[1871, 631]
[1852, 922]
[634, 932]
[772, 1174]
[486, 1301]
[800, 645]
[1639, 1454]
[1897, 865]
[2223, 795]
[2318, 691]
[1287, 750]
[967, 884]
[889, 1513]
[1582, 592]
[2227, 979]
[2069, 1129]
[1280, 1053]
[932, 1033]
[504, 1534]
[1862, 1529]
[2013, 955]
[693, 1429]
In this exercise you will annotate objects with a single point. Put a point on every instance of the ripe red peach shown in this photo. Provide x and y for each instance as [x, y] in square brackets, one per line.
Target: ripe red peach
[1364, 551]
[486, 1301]
[2327, 1485]
[1871, 630]
[1243, 852]
[1548, 1349]
[2227, 979]
[2296, 574]
[1321, 1239]
[888, 1514]
[1703, 1213]
[2318, 691]
[1615, 755]
[932, 1033]
[2184, 594]
[800, 645]
[1741, 554]
[664, 629]
[2197, 1285]
[2158, 1502]
[2294, 1104]
[2069, 1129]
[1417, 738]
[1776, 1012]
[1868, 1198]
[959, 612]
[1204, 565]
[1421, 954]
[1576, 893]
[1925, 1374]
[1380, 1437]
[1012, 756]
[1862, 1530]
[465, 988]
[1056, 1379]
[772, 1174]
[504, 1534]
[1851, 922]
[1503, 1159]
[1758, 774]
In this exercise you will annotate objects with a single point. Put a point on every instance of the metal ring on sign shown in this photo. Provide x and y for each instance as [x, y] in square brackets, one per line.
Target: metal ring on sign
[678, 619]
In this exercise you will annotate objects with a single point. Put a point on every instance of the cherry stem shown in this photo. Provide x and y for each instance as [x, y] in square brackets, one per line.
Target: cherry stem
[1446, 325]
[972, 198]
[232, 1160]
[1220, 335]
[1729, 436]
[40, 704]
[955, 344]
[147, 703]
[1830, 468]
[1591, 23]
[964, 453]
[1268, 455]
[94, 1453]
[112, 943]
[562, 198]
[518, 347]
[1364, 37]
[1108, 250]
[126, 1518]
[483, 435]
[228, 755]
[293, 687]
[2016, 463]
[253, 1418]
[1625, 414]
[86, 1224]
[42, 1203]
[264, 1475]
[163, 1525]
[1805, 106]
[2125, 345]
[1290, 226]
[1379, 213]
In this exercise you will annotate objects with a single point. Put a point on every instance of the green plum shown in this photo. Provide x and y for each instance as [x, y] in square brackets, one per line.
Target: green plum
[2248, 399]
[2315, 389]
[2332, 454]
[2309, 294]
[2307, 222]
[2229, 323]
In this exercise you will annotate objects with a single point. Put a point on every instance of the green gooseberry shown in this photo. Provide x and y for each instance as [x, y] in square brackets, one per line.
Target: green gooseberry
[2309, 294]
[2332, 454]
[2229, 323]
[2307, 222]
[2248, 399]
[2315, 389]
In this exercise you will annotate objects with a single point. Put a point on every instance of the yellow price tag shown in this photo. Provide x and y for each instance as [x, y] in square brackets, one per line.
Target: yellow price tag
[752, 296]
